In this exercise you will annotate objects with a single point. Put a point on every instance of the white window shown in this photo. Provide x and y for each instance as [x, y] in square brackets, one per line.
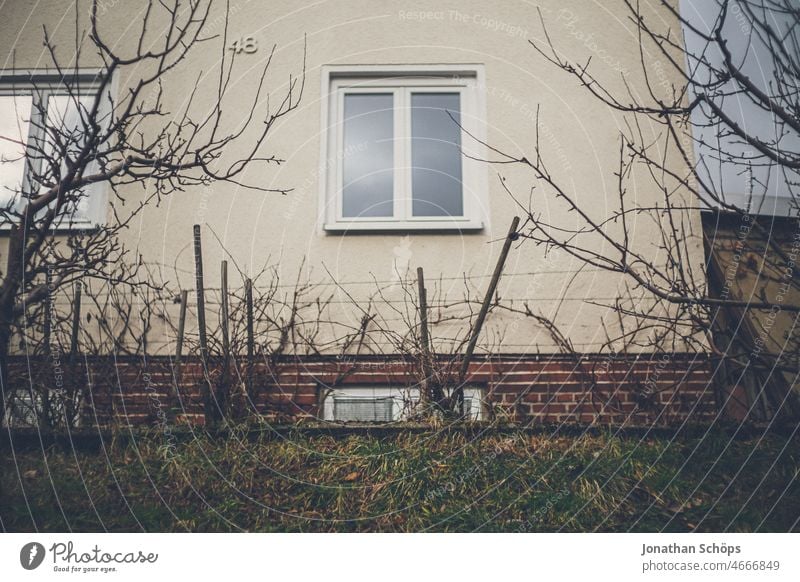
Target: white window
[385, 403]
[39, 113]
[758, 185]
[402, 147]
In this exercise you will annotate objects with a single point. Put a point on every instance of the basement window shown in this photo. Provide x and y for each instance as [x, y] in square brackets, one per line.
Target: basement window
[26, 408]
[401, 148]
[22, 409]
[385, 403]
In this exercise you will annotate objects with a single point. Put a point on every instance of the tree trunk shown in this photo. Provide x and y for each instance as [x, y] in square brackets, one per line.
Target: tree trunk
[8, 292]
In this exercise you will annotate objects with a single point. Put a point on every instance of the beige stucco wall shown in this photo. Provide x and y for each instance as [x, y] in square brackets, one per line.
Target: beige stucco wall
[578, 136]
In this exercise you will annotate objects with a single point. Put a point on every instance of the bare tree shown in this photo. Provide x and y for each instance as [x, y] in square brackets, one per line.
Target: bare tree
[122, 139]
[680, 133]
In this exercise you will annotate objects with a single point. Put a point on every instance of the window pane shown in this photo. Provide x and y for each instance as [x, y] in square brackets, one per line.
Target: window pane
[15, 115]
[436, 155]
[64, 123]
[64, 117]
[720, 153]
[363, 409]
[368, 156]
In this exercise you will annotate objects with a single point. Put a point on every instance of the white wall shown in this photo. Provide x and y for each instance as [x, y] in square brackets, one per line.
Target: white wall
[578, 138]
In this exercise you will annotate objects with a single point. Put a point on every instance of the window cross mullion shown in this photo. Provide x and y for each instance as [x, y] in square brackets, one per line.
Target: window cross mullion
[36, 141]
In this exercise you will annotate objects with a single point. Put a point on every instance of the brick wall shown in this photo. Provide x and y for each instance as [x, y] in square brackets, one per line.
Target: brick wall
[536, 389]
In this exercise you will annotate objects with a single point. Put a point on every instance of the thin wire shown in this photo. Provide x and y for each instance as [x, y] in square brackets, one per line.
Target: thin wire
[398, 281]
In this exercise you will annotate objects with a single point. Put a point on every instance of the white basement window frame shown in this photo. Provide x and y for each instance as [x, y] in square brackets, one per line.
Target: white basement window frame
[24, 89]
[405, 83]
[22, 408]
[385, 403]
[25, 406]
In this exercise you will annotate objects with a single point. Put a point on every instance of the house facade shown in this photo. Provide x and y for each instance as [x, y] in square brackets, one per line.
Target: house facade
[385, 166]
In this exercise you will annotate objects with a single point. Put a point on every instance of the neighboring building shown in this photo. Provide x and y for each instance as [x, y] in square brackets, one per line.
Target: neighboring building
[383, 159]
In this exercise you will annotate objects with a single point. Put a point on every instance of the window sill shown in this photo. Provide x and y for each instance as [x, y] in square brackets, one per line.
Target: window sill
[76, 226]
[767, 205]
[404, 226]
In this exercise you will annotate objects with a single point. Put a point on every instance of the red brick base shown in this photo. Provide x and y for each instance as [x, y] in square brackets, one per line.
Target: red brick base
[664, 390]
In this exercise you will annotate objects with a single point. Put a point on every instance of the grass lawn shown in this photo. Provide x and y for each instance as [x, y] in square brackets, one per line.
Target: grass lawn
[422, 481]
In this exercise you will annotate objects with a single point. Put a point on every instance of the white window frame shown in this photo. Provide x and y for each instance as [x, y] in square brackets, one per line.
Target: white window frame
[21, 409]
[41, 84]
[24, 408]
[403, 399]
[400, 80]
[777, 200]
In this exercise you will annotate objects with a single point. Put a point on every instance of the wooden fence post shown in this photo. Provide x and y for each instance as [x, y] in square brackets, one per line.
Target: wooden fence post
[487, 300]
[181, 331]
[207, 393]
[76, 320]
[429, 388]
[226, 340]
[48, 310]
[248, 294]
[225, 390]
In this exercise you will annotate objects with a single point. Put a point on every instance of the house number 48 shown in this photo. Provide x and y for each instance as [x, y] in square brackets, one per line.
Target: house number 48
[246, 44]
